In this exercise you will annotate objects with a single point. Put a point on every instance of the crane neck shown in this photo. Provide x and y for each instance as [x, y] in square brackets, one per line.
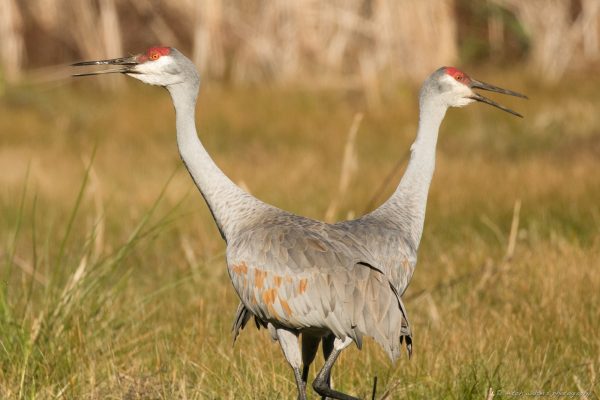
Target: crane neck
[228, 203]
[406, 207]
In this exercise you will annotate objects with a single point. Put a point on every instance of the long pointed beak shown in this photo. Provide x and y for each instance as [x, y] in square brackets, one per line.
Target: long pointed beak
[127, 64]
[486, 86]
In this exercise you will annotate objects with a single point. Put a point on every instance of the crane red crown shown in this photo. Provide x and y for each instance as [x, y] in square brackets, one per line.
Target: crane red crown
[458, 75]
[154, 53]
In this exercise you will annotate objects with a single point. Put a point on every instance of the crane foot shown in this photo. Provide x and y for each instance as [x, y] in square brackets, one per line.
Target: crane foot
[323, 388]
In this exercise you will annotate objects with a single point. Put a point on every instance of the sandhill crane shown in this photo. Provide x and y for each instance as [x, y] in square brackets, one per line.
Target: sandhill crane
[296, 275]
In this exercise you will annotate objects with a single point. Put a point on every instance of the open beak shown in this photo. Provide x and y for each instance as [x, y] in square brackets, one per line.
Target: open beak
[486, 86]
[126, 66]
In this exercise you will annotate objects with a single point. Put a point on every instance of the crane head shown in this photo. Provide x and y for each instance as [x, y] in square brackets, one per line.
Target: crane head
[162, 66]
[456, 89]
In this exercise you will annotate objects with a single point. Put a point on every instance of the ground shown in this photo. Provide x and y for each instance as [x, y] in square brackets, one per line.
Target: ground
[117, 286]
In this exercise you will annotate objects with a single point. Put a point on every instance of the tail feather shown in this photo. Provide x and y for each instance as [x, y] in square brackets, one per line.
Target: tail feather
[383, 315]
[242, 316]
[357, 336]
[406, 331]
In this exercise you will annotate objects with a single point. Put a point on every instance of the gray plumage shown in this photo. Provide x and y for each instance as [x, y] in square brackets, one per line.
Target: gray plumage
[333, 283]
[300, 274]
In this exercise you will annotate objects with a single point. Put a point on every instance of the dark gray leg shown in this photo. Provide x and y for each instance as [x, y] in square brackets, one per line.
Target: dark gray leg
[300, 384]
[327, 343]
[310, 345]
[320, 384]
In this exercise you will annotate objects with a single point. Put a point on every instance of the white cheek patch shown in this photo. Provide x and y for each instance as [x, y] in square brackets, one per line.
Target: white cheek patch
[463, 101]
[154, 67]
[460, 94]
[155, 72]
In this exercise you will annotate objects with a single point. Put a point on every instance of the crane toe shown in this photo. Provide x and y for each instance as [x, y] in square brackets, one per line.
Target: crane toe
[322, 387]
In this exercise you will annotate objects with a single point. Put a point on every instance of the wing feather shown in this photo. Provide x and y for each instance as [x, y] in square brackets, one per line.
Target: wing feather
[311, 275]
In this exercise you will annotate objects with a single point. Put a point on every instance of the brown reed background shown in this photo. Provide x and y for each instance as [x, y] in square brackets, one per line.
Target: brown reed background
[339, 42]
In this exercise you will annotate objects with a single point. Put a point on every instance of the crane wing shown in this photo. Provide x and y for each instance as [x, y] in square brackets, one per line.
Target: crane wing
[310, 276]
[389, 245]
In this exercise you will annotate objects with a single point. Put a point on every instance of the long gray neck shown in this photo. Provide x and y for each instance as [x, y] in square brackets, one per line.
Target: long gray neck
[406, 207]
[230, 206]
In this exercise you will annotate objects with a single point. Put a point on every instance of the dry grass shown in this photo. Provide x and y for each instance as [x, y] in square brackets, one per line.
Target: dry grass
[138, 305]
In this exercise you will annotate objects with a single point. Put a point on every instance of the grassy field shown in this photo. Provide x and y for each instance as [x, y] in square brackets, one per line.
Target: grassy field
[113, 281]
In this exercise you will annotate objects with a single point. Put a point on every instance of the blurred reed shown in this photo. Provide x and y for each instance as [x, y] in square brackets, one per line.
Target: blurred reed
[348, 43]
[563, 34]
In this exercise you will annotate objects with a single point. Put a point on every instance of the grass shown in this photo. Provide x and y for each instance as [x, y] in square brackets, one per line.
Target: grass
[113, 276]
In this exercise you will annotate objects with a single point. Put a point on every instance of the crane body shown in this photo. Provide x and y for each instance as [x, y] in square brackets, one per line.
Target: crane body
[295, 276]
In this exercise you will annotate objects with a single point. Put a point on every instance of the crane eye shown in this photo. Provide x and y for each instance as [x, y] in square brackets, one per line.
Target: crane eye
[154, 56]
[459, 77]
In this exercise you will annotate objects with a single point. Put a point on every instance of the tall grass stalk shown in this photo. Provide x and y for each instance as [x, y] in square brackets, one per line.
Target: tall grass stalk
[40, 323]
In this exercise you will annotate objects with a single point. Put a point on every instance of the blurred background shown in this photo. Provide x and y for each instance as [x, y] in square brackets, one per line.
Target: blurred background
[112, 275]
[346, 43]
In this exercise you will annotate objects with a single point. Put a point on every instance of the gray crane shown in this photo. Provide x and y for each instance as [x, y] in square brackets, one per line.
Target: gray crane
[294, 275]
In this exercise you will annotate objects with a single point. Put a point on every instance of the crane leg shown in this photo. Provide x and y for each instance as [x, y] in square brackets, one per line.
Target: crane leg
[327, 343]
[320, 384]
[289, 345]
[310, 345]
